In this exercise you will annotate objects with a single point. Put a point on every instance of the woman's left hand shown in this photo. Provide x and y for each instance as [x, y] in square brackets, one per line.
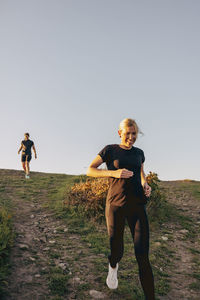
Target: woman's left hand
[147, 190]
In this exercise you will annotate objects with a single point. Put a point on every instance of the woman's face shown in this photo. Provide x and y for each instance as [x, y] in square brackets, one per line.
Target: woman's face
[128, 136]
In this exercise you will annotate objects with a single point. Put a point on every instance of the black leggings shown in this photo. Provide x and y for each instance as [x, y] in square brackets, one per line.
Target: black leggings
[139, 227]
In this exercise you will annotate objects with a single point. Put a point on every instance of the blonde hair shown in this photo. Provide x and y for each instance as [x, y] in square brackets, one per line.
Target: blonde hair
[128, 123]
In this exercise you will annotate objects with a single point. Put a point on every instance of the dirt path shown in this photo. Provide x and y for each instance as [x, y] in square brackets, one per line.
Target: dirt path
[186, 246]
[45, 253]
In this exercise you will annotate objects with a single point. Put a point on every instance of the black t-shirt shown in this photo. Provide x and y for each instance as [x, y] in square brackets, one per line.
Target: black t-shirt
[124, 190]
[27, 145]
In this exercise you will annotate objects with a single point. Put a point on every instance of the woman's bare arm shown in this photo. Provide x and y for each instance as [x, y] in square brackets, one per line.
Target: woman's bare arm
[93, 170]
[146, 187]
[143, 176]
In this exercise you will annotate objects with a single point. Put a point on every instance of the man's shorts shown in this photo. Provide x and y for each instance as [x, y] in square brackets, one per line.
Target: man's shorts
[26, 157]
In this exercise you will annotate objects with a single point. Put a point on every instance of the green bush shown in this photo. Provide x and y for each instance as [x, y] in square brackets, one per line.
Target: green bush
[158, 209]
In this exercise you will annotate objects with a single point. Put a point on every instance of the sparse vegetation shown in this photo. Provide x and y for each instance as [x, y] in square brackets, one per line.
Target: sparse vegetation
[192, 186]
[75, 205]
[6, 239]
[58, 283]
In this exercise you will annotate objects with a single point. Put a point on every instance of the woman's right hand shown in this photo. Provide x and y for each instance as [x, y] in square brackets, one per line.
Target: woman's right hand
[122, 173]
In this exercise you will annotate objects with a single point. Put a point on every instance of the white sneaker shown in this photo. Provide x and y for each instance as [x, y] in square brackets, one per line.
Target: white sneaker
[27, 176]
[112, 281]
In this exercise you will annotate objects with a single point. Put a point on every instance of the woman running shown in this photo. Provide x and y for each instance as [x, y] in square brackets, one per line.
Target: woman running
[26, 146]
[126, 199]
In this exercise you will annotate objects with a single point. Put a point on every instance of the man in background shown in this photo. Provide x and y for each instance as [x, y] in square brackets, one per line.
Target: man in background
[26, 146]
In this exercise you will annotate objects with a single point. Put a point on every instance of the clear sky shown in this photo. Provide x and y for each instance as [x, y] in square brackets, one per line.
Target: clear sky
[70, 71]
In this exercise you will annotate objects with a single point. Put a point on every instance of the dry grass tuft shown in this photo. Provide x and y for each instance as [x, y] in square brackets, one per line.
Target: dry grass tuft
[88, 198]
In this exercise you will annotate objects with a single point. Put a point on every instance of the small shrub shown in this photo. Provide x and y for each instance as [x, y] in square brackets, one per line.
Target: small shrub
[157, 207]
[88, 198]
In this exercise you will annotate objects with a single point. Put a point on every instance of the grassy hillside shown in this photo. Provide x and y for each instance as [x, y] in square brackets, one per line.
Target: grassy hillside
[6, 236]
[13, 185]
[75, 259]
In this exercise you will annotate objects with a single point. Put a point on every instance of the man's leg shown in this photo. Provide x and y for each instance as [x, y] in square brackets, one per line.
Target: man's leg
[28, 159]
[24, 166]
[27, 168]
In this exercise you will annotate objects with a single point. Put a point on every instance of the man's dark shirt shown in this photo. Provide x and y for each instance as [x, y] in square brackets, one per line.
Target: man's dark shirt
[124, 190]
[27, 145]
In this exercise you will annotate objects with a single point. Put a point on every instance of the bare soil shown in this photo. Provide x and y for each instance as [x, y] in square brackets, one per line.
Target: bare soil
[181, 242]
